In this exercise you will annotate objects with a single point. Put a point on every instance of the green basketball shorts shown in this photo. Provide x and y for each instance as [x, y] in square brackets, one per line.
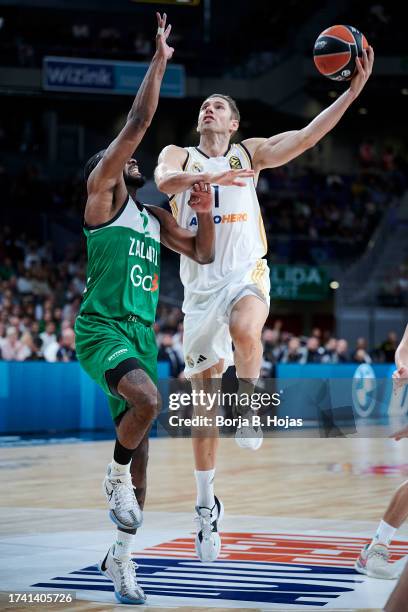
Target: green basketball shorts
[102, 344]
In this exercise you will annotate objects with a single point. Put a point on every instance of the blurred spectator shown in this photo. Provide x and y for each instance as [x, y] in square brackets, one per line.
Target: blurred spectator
[317, 333]
[329, 350]
[32, 257]
[50, 352]
[48, 336]
[394, 289]
[67, 352]
[293, 353]
[341, 355]
[34, 345]
[360, 356]
[270, 339]
[178, 342]
[314, 352]
[387, 348]
[360, 353]
[40, 285]
[24, 282]
[167, 353]
[6, 269]
[12, 348]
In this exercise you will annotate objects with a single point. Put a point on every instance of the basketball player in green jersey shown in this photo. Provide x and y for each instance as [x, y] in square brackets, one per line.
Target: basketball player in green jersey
[115, 340]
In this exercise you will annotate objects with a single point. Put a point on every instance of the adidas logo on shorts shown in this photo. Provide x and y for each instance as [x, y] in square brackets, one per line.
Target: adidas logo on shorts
[190, 361]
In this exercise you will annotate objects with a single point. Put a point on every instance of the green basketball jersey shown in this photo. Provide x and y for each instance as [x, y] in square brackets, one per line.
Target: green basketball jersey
[123, 265]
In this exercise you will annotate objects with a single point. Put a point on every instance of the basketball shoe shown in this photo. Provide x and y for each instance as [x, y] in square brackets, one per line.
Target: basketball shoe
[374, 562]
[208, 541]
[249, 436]
[124, 509]
[123, 576]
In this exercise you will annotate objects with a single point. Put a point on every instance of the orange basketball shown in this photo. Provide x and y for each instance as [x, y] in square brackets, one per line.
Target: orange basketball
[336, 49]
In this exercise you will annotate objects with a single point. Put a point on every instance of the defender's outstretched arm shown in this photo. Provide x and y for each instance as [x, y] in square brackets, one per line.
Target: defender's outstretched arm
[140, 115]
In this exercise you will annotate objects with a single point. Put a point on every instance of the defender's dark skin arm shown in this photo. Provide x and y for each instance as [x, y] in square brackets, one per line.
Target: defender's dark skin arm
[106, 186]
[201, 246]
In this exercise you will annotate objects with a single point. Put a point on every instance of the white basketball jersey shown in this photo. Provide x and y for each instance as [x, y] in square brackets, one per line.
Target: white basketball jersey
[240, 235]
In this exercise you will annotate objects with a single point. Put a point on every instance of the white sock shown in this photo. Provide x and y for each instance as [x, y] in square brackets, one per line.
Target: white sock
[384, 534]
[118, 468]
[123, 545]
[205, 487]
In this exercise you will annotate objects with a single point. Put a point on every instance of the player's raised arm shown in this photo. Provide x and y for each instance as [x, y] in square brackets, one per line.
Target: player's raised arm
[280, 149]
[201, 246]
[108, 171]
[171, 179]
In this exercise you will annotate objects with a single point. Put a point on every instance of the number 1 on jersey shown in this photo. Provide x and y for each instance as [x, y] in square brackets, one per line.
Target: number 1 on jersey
[216, 196]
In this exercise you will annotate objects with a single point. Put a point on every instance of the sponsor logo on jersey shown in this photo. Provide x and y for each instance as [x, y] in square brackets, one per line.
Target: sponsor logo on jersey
[229, 218]
[138, 248]
[235, 162]
[279, 569]
[145, 281]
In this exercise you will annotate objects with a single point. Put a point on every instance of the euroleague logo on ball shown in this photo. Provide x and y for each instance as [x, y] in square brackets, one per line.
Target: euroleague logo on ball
[336, 49]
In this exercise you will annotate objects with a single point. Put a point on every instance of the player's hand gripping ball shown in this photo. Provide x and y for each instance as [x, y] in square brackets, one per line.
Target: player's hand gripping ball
[336, 49]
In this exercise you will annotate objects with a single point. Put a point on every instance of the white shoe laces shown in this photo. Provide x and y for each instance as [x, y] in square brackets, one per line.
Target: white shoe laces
[128, 580]
[124, 495]
[204, 523]
[380, 552]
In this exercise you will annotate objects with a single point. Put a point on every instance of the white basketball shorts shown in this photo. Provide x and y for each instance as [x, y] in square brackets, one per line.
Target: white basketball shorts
[206, 337]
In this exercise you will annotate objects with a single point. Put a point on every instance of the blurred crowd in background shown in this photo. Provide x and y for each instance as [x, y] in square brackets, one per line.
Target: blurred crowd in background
[39, 300]
[338, 211]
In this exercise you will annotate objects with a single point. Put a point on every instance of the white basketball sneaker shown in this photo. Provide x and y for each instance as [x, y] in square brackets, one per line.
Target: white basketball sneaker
[123, 576]
[374, 562]
[248, 436]
[208, 541]
[124, 509]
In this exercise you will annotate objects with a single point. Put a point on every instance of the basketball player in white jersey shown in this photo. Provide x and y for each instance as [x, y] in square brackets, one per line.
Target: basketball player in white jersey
[228, 300]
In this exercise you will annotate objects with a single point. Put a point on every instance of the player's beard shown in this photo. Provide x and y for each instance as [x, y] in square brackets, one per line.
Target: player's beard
[134, 182]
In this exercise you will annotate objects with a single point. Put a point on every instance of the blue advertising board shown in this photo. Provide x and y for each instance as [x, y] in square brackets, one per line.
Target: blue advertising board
[365, 389]
[106, 76]
[58, 397]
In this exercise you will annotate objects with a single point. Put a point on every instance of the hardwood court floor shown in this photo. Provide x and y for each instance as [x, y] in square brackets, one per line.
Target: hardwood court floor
[311, 478]
[300, 481]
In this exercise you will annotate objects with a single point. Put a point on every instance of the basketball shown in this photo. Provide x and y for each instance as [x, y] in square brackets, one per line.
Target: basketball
[336, 49]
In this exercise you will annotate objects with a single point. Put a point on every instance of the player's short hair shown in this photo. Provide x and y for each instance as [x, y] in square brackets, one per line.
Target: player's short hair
[231, 102]
[92, 163]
